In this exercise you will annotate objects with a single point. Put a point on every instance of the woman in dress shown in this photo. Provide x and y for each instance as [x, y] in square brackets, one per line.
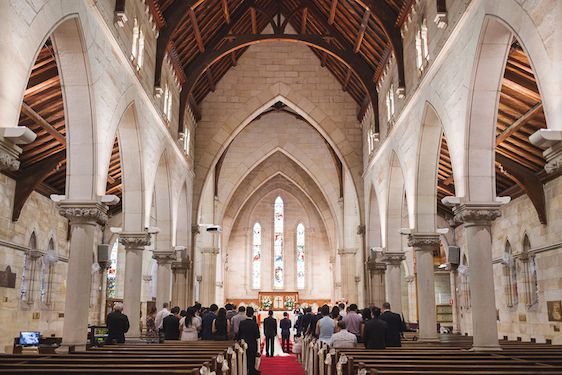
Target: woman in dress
[151, 330]
[221, 325]
[190, 325]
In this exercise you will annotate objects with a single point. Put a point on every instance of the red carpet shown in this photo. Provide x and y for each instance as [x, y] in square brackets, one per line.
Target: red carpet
[287, 365]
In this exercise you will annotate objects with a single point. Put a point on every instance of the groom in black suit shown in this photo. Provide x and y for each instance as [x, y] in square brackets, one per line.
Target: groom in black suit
[395, 325]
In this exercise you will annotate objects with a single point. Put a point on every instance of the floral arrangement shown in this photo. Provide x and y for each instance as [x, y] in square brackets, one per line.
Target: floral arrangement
[254, 306]
[289, 303]
[266, 303]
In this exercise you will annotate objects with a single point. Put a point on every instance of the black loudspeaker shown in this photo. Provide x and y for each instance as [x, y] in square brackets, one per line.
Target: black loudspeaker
[454, 255]
[103, 253]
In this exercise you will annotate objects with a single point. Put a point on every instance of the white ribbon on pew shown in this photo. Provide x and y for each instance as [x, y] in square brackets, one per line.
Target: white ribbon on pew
[341, 362]
[362, 371]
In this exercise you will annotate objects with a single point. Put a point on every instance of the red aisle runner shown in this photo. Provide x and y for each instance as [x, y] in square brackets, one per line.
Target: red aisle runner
[286, 365]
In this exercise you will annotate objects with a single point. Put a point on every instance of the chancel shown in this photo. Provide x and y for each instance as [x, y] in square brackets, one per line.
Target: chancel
[344, 186]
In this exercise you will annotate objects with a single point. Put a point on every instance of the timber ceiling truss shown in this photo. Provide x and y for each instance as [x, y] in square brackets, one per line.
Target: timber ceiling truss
[519, 164]
[352, 38]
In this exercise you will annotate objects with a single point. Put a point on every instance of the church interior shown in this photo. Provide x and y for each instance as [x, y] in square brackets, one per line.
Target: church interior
[282, 155]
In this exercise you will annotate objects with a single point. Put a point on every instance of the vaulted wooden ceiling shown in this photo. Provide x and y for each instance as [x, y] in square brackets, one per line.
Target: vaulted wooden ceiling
[352, 38]
[43, 162]
[519, 164]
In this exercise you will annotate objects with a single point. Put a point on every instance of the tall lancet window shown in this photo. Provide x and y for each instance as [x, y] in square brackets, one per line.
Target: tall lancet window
[256, 256]
[300, 256]
[278, 266]
[112, 271]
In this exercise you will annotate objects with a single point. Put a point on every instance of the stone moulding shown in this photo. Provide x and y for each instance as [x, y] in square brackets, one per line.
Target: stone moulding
[134, 240]
[424, 241]
[477, 213]
[83, 212]
[393, 259]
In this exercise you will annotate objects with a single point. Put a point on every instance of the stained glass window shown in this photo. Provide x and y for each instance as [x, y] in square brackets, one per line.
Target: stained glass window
[278, 266]
[112, 272]
[256, 256]
[300, 256]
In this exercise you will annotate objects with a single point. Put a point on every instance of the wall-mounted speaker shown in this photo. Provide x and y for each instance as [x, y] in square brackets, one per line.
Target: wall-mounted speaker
[103, 253]
[454, 256]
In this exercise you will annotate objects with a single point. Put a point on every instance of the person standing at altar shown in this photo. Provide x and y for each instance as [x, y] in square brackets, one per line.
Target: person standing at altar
[285, 325]
[270, 332]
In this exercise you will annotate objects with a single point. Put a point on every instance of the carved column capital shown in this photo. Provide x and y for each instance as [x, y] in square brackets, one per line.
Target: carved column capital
[180, 267]
[147, 278]
[393, 258]
[210, 250]
[79, 212]
[551, 141]
[376, 267]
[481, 213]
[10, 138]
[164, 256]
[134, 240]
[409, 279]
[348, 251]
[423, 241]
[35, 253]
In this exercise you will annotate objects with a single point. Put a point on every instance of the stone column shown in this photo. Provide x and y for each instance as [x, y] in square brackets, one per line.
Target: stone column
[394, 280]
[84, 220]
[377, 280]
[163, 275]
[348, 283]
[424, 245]
[134, 243]
[551, 140]
[104, 266]
[477, 219]
[179, 284]
[10, 138]
[208, 276]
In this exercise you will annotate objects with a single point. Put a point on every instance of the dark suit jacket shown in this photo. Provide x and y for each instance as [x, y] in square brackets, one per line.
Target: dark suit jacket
[285, 325]
[249, 332]
[207, 326]
[395, 327]
[375, 334]
[270, 327]
[313, 321]
[171, 327]
[117, 325]
[305, 322]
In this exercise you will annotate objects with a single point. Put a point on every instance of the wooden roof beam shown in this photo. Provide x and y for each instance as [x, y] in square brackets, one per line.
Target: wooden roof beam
[211, 79]
[346, 80]
[35, 117]
[304, 20]
[30, 178]
[528, 181]
[225, 11]
[173, 16]
[386, 18]
[196, 30]
[332, 15]
[362, 29]
[254, 20]
[518, 123]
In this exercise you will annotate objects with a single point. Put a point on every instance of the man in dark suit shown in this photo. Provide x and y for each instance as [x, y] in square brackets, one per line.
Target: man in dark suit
[207, 322]
[313, 321]
[305, 322]
[250, 333]
[375, 331]
[270, 332]
[285, 325]
[117, 325]
[395, 325]
[171, 325]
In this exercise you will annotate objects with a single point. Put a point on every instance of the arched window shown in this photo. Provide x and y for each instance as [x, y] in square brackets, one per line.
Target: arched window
[422, 49]
[510, 276]
[47, 264]
[278, 264]
[300, 256]
[112, 271]
[530, 273]
[464, 273]
[390, 103]
[256, 256]
[26, 290]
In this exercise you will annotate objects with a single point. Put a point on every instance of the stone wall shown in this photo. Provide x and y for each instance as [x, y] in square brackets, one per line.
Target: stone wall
[39, 215]
[518, 219]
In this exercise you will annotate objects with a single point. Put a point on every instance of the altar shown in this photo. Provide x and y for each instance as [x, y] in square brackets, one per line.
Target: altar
[278, 301]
